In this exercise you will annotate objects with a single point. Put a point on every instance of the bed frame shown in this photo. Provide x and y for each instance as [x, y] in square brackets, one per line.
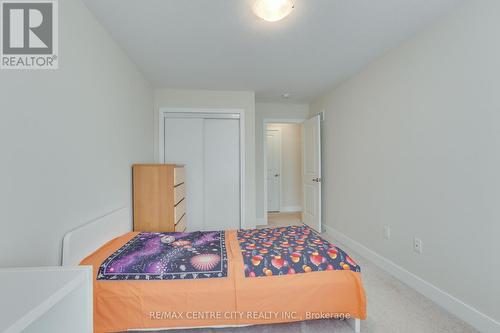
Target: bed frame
[82, 241]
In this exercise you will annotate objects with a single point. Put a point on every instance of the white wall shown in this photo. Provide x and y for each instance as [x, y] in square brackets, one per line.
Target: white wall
[270, 111]
[413, 141]
[291, 166]
[245, 100]
[68, 138]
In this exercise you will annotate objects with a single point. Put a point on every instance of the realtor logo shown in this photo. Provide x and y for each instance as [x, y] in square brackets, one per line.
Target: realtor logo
[29, 34]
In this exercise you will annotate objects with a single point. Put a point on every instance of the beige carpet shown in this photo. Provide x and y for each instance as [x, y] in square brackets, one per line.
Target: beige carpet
[392, 307]
[283, 219]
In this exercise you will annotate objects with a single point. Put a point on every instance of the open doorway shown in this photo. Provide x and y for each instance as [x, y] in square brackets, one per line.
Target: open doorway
[283, 172]
[292, 172]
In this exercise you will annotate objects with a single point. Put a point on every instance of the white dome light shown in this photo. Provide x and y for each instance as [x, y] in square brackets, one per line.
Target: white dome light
[273, 10]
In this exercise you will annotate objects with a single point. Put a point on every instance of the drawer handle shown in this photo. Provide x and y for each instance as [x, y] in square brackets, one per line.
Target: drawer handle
[177, 204]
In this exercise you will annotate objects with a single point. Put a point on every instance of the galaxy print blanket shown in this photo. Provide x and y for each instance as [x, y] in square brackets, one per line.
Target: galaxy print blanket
[290, 250]
[168, 256]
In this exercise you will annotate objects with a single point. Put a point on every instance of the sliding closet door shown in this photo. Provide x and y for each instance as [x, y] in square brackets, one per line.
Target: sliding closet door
[210, 148]
[222, 173]
[184, 145]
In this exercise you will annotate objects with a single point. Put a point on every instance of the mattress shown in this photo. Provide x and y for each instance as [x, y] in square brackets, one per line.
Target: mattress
[231, 300]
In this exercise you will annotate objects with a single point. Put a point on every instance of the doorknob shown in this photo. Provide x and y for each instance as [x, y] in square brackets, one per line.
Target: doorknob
[277, 175]
[317, 180]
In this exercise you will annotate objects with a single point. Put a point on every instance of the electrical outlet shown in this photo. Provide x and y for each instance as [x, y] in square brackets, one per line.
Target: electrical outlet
[387, 232]
[417, 245]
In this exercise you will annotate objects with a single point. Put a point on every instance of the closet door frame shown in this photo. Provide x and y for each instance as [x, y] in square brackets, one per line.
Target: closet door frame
[208, 113]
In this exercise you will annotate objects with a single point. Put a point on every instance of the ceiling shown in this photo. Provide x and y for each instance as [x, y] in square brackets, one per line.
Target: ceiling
[221, 45]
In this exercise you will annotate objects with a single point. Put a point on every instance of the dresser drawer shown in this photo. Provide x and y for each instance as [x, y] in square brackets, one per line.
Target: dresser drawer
[181, 225]
[179, 193]
[179, 210]
[179, 175]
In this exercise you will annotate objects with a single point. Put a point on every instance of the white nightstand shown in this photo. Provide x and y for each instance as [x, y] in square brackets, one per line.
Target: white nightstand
[46, 299]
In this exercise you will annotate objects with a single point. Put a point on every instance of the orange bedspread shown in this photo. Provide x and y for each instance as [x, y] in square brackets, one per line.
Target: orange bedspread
[234, 300]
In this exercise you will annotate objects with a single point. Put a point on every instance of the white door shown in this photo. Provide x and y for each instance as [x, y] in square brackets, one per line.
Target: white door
[222, 174]
[210, 149]
[273, 170]
[312, 172]
[184, 145]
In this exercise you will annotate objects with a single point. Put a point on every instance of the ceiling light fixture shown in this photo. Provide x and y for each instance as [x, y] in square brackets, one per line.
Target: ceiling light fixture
[273, 10]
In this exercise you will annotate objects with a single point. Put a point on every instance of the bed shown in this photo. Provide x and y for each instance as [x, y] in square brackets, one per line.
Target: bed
[242, 282]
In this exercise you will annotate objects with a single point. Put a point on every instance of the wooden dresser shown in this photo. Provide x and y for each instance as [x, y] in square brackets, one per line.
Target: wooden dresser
[159, 197]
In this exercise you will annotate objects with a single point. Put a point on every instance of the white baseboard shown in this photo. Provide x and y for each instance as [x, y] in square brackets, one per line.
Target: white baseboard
[467, 313]
[291, 209]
